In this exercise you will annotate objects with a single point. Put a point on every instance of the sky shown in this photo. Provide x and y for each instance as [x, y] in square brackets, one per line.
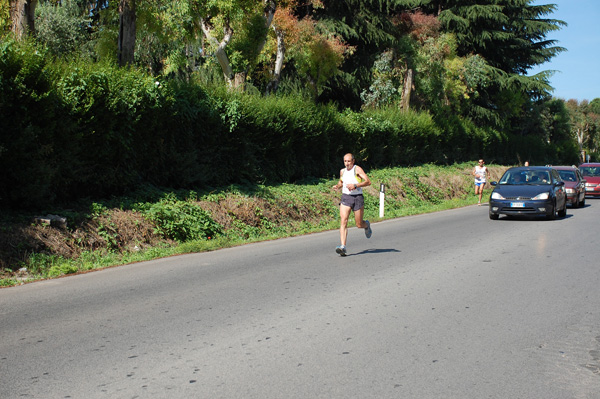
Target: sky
[577, 73]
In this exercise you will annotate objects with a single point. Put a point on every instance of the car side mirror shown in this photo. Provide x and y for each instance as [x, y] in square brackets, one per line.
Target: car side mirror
[493, 183]
[560, 183]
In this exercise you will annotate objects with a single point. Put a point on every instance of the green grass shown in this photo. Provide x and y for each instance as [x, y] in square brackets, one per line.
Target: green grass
[249, 213]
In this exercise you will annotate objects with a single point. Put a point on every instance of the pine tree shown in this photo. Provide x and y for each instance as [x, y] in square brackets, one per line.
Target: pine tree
[511, 36]
[367, 26]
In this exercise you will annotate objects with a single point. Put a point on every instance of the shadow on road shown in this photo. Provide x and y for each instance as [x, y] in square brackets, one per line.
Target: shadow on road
[375, 251]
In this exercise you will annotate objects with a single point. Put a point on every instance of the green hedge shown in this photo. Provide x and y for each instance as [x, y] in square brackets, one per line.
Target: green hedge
[390, 137]
[26, 115]
[82, 130]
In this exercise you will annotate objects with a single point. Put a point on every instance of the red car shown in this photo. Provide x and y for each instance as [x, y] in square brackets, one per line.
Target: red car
[574, 183]
[591, 173]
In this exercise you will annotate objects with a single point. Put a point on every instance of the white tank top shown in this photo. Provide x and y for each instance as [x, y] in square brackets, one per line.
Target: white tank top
[349, 177]
[481, 171]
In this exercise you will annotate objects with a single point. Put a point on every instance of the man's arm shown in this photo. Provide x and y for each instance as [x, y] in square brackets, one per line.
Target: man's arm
[340, 183]
[365, 179]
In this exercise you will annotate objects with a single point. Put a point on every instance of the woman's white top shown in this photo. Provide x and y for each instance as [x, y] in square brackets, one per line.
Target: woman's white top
[482, 172]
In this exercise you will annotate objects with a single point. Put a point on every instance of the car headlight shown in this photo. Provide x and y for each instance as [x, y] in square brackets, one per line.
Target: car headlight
[570, 191]
[541, 196]
[497, 196]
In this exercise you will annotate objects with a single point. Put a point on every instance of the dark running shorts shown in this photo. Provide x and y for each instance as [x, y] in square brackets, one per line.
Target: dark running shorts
[353, 201]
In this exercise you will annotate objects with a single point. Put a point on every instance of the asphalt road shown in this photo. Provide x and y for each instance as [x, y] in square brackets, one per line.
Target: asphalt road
[445, 305]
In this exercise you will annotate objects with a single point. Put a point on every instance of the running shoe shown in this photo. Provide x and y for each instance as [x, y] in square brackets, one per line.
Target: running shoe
[340, 249]
[368, 230]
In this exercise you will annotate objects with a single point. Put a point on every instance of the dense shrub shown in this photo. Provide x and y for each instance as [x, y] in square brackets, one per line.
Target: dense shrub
[63, 29]
[182, 220]
[289, 138]
[462, 139]
[81, 129]
[391, 137]
[30, 115]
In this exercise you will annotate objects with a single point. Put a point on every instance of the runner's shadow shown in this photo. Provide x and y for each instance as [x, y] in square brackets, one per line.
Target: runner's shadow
[375, 251]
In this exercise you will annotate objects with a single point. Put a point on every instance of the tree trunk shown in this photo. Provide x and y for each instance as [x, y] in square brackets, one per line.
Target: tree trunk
[239, 81]
[235, 81]
[580, 135]
[127, 19]
[22, 16]
[408, 85]
[220, 52]
[274, 83]
[269, 13]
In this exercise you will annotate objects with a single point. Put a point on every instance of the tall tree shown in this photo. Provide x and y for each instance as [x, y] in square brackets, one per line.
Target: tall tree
[236, 32]
[5, 22]
[281, 22]
[424, 69]
[22, 15]
[367, 26]
[127, 26]
[286, 33]
[585, 126]
[511, 36]
[63, 27]
[315, 53]
[595, 105]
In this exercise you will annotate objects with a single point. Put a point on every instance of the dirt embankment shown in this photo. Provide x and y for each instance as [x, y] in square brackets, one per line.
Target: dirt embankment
[121, 230]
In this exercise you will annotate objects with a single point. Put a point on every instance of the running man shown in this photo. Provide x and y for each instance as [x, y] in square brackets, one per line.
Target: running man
[352, 179]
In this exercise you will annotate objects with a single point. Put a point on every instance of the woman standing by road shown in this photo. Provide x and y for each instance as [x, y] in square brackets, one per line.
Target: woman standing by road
[481, 173]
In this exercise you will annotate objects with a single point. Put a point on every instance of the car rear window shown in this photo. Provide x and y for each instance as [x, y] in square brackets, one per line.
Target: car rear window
[567, 175]
[590, 171]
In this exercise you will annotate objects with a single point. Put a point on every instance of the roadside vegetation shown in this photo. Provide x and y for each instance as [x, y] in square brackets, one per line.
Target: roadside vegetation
[151, 129]
[153, 223]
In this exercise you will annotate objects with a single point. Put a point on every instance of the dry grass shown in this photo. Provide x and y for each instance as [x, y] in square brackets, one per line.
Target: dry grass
[117, 230]
[123, 231]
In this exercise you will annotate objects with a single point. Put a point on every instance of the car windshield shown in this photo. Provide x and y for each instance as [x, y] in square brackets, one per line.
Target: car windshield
[567, 175]
[590, 171]
[522, 177]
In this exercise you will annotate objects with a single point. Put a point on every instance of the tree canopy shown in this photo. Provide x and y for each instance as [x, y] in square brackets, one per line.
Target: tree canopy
[448, 57]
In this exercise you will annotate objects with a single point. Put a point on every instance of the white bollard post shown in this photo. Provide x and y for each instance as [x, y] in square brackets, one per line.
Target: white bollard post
[381, 199]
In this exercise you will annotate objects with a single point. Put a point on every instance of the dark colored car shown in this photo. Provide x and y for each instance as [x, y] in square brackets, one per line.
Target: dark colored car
[529, 191]
[591, 173]
[574, 184]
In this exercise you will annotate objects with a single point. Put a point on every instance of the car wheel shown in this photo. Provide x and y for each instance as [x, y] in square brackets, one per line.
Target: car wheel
[582, 202]
[562, 213]
[552, 216]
